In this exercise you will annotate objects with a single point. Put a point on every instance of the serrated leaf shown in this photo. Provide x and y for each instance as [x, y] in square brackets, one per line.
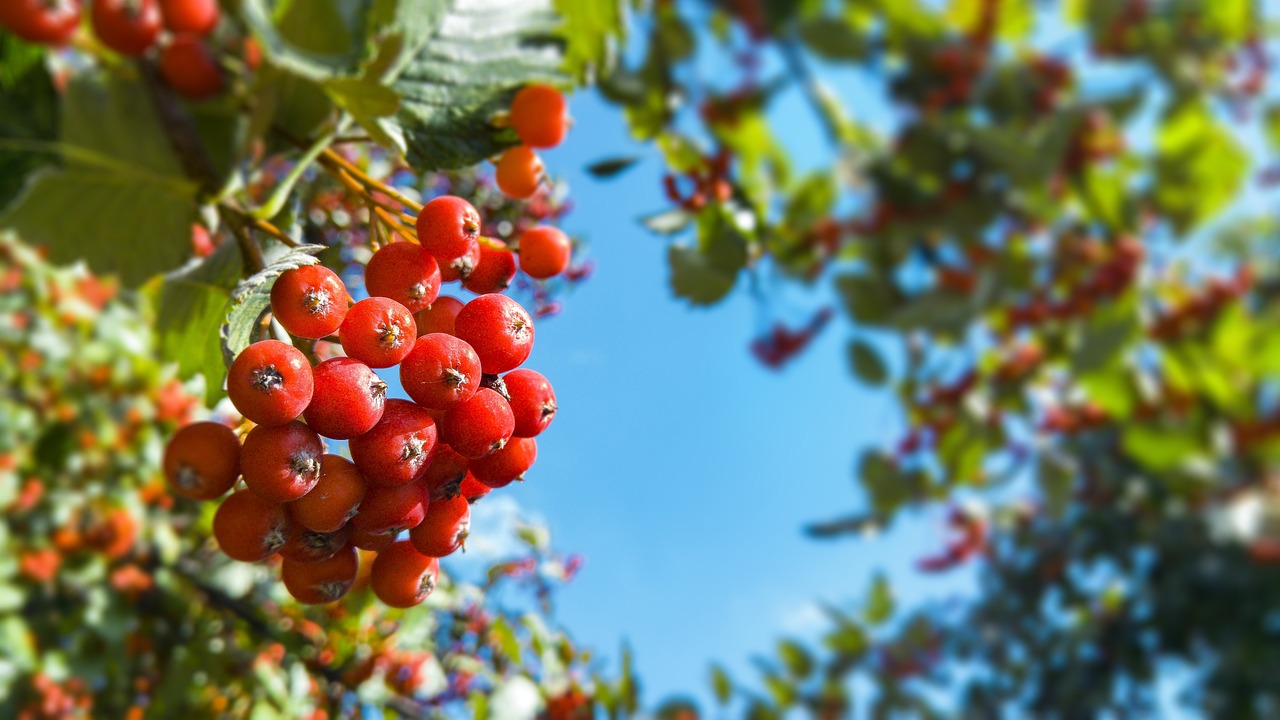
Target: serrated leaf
[609, 167]
[867, 364]
[467, 73]
[251, 299]
[121, 201]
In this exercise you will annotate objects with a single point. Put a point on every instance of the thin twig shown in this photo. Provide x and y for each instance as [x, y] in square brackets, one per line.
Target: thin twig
[329, 156]
[249, 250]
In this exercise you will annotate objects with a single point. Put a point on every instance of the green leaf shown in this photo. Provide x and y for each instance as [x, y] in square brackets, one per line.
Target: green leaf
[121, 201]
[1199, 165]
[315, 39]
[867, 364]
[797, 661]
[609, 167]
[189, 304]
[251, 300]
[721, 685]
[28, 115]
[705, 275]
[833, 38]
[880, 603]
[503, 637]
[1161, 449]
[593, 31]
[1108, 331]
[1015, 18]
[457, 83]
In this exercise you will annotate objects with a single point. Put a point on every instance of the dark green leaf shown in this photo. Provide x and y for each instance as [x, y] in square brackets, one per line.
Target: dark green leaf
[28, 115]
[610, 167]
[833, 38]
[866, 362]
[721, 685]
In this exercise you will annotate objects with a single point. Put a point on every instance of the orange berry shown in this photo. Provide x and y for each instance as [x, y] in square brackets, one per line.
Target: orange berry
[324, 581]
[540, 116]
[403, 577]
[202, 461]
[249, 528]
[519, 172]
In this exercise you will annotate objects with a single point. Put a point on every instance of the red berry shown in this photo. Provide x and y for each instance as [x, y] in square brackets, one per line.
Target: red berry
[309, 301]
[501, 468]
[324, 581]
[250, 528]
[472, 489]
[540, 116]
[306, 545]
[439, 317]
[440, 371]
[375, 541]
[519, 171]
[202, 461]
[282, 462]
[403, 577]
[479, 425]
[544, 252]
[347, 400]
[533, 401]
[190, 16]
[391, 510]
[41, 21]
[447, 226]
[460, 268]
[403, 272]
[494, 271]
[444, 529]
[443, 475]
[498, 329]
[189, 68]
[396, 451]
[270, 382]
[378, 331]
[130, 27]
[333, 500]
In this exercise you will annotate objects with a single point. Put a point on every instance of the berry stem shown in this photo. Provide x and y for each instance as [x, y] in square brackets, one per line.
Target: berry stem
[329, 157]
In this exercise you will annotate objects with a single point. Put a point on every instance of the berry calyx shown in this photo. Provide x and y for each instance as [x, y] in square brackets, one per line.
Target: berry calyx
[189, 68]
[270, 382]
[544, 252]
[130, 27]
[309, 301]
[519, 171]
[460, 268]
[378, 331]
[441, 370]
[334, 499]
[533, 401]
[444, 529]
[403, 577]
[306, 545]
[501, 468]
[495, 270]
[324, 581]
[190, 16]
[46, 22]
[447, 226]
[479, 425]
[439, 317]
[540, 116]
[282, 462]
[396, 451]
[249, 527]
[202, 460]
[403, 272]
[347, 399]
[498, 329]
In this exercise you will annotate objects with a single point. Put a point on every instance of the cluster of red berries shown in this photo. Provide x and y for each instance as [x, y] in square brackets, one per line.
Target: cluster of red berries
[416, 464]
[131, 28]
[540, 117]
